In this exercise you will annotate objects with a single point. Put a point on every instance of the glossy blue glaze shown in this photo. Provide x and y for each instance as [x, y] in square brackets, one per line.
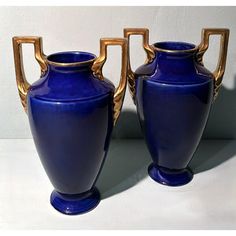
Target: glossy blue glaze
[173, 97]
[170, 177]
[75, 204]
[70, 83]
[71, 118]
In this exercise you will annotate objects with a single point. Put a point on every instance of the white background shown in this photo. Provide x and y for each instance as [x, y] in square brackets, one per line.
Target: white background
[80, 28]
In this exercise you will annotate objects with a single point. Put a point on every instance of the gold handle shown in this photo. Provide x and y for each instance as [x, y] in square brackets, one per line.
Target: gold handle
[148, 49]
[98, 65]
[220, 69]
[22, 84]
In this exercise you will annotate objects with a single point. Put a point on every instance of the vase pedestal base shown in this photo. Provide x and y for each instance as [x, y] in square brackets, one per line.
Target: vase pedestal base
[74, 204]
[170, 177]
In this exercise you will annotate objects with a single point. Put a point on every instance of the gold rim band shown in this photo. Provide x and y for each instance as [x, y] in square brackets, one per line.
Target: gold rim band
[148, 49]
[22, 84]
[203, 46]
[98, 65]
[175, 51]
[73, 64]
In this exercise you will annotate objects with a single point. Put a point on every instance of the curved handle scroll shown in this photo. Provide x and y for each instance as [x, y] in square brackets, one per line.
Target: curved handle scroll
[98, 65]
[22, 83]
[148, 49]
[220, 69]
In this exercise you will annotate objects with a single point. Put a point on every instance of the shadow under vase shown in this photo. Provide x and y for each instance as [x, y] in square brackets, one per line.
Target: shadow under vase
[128, 159]
[125, 165]
[212, 153]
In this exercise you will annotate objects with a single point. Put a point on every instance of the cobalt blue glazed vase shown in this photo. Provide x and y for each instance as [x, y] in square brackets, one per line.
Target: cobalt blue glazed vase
[71, 111]
[173, 93]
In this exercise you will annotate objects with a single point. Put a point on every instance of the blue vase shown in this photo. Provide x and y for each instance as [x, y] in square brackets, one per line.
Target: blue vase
[173, 93]
[71, 111]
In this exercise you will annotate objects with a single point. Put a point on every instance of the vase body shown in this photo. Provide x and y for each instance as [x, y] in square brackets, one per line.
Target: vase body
[72, 109]
[173, 96]
[71, 118]
[173, 93]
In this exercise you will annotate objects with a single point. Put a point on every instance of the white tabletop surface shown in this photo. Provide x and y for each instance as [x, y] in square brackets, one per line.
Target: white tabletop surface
[130, 199]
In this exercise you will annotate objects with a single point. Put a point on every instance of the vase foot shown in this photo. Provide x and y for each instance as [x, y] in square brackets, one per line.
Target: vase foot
[170, 177]
[74, 204]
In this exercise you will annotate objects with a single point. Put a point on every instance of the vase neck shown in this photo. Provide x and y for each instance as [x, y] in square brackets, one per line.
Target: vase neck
[175, 57]
[70, 62]
[170, 63]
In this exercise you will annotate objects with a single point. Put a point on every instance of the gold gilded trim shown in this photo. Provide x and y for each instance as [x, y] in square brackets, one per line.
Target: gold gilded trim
[203, 46]
[74, 64]
[22, 83]
[149, 49]
[176, 51]
[98, 65]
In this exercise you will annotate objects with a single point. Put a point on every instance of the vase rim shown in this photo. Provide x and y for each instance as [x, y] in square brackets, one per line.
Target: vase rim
[70, 58]
[174, 47]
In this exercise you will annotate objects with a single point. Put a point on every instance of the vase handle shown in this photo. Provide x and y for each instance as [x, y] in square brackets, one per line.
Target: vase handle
[98, 65]
[22, 83]
[220, 69]
[148, 49]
